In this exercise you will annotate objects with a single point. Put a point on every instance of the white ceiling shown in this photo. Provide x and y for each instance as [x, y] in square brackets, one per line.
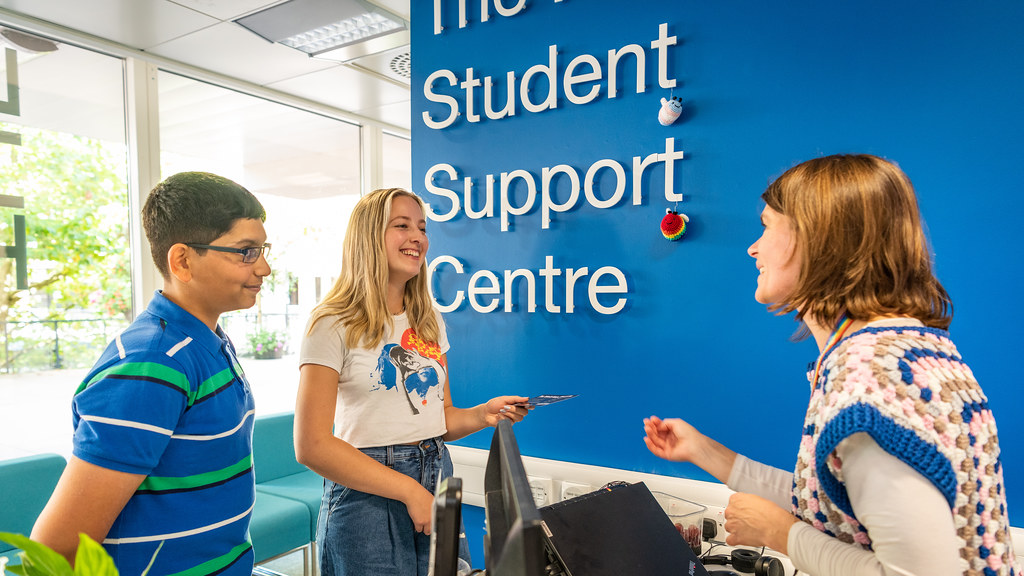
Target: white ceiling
[202, 34]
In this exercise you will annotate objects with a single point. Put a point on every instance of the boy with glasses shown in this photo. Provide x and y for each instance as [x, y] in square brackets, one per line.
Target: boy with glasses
[163, 422]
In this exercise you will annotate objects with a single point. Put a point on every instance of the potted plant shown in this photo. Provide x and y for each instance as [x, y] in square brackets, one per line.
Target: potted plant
[267, 343]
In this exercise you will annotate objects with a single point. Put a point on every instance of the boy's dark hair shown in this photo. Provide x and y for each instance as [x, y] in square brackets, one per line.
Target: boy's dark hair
[194, 208]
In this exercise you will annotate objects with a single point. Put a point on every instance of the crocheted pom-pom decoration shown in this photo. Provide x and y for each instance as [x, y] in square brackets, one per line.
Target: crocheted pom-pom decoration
[673, 225]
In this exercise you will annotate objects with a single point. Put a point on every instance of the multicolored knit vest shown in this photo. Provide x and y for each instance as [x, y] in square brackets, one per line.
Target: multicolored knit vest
[909, 389]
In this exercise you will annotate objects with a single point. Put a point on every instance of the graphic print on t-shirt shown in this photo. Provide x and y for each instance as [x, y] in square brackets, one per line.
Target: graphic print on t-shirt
[412, 368]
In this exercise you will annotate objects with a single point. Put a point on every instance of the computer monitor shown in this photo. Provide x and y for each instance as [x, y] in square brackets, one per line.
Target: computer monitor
[514, 543]
[446, 527]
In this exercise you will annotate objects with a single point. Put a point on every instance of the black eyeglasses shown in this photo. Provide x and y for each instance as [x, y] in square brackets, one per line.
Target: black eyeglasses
[249, 255]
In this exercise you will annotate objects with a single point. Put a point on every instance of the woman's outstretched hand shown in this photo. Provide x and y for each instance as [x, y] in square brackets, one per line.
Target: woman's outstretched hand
[671, 439]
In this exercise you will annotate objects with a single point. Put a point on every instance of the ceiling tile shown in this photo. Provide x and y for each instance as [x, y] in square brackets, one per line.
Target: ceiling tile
[345, 88]
[139, 24]
[229, 49]
[227, 9]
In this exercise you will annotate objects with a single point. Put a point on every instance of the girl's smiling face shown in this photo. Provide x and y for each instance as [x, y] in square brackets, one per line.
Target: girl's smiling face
[405, 239]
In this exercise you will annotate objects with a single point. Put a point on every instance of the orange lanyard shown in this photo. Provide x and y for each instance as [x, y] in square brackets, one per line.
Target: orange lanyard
[833, 341]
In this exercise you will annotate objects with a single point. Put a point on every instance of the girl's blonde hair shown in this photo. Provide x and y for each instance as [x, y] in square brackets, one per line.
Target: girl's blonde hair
[358, 297]
[863, 249]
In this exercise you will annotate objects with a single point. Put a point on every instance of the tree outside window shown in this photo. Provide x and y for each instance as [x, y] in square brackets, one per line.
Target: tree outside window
[76, 213]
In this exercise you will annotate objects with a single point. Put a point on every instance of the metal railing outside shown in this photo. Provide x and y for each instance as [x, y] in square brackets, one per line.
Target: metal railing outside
[33, 345]
[54, 344]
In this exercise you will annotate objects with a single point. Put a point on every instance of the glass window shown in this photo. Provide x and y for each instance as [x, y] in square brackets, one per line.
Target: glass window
[304, 168]
[397, 162]
[65, 285]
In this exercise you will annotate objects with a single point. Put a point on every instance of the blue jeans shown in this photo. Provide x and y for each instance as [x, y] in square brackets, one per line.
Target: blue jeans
[362, 534]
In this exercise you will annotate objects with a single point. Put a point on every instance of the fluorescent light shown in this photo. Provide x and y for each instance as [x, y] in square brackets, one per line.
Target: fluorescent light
[318, 26]
[356, 29]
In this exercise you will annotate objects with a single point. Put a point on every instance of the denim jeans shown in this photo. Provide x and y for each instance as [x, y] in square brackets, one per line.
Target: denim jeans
[360, 534]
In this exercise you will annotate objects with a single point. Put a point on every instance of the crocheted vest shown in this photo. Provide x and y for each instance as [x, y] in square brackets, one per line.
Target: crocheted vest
[909, 389]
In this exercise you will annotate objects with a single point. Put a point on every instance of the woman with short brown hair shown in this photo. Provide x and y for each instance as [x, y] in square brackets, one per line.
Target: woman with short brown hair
[898, 468]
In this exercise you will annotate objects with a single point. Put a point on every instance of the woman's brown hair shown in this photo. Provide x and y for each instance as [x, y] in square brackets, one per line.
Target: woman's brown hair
[862, 247]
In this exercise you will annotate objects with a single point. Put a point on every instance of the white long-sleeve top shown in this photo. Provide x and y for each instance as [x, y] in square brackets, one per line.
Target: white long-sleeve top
[908, 519]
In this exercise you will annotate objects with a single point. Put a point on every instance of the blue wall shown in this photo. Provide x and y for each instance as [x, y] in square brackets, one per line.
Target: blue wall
[935, 87]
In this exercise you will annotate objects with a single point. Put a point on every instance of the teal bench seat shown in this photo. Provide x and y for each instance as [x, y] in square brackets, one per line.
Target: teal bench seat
[25, 487]
[280, 476]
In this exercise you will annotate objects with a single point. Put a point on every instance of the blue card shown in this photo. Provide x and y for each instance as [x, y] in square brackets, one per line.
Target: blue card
[545, 399]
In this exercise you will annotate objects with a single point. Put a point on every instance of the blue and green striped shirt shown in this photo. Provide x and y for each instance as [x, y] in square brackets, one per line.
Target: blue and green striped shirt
[168, 399]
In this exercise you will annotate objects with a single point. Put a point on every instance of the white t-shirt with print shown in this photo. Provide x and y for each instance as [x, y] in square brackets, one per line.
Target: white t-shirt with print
[392, 394]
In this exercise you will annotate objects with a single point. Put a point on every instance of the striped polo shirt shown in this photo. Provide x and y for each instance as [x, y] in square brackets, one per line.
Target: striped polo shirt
[169, 400]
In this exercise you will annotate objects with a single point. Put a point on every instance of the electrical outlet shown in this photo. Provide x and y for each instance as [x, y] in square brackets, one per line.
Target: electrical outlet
[718, 515]
[543, 490]
[574, 489]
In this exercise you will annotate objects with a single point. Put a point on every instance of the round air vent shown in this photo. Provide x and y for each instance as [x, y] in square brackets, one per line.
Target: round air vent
[401, 65]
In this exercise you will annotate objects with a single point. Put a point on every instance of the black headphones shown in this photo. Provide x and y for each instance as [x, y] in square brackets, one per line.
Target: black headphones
[749, 561]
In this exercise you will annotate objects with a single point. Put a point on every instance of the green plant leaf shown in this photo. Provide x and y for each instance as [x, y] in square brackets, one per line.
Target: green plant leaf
[37, 559]
[92, 560]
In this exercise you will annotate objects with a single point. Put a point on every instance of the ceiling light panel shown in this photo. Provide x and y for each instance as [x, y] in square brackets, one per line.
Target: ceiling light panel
[319, 26]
